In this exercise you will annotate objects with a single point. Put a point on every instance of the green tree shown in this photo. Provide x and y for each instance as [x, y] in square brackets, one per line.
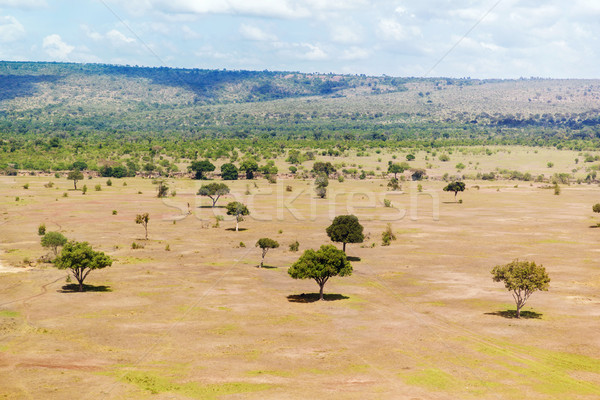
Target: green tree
[265, 244]
[81, 259]
[229, 172]
[238, 210]
[346, 229]
[522, 278]
[80, 165]
[250, 167]
[143, 220]
[213, 191]
[397, 168]
[325, 168]
[75, 176]
[200, 167]
[410, 157]
[596, 208]
[321, 265]
[321, 183]
[455, 187]
[53, 240]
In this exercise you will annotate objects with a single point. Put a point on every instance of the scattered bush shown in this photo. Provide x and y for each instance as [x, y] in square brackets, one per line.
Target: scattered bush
[294, 246]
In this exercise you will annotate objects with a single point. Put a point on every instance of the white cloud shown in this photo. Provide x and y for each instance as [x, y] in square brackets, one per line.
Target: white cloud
[10, 29]
[56, 48]
[355, 53]
[89, 32]
[251, 32]
[266, 8]
[314, 53]
[117, 39]
[393, 30]
[189, 33]
[346, 33]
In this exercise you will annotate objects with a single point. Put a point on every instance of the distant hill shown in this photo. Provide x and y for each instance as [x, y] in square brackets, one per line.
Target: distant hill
[63, 98]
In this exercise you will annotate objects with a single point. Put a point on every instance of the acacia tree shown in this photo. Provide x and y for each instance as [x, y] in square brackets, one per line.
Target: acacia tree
[53, 240]
[455, 187]
[81, 259]
[346, 229]
[522, 278]
[326, 168]
[265, 244]
[143, 219]
[200, 167]
[213, 191]
[238, 210]
[398, 168]
[75, 176]
[321, 265]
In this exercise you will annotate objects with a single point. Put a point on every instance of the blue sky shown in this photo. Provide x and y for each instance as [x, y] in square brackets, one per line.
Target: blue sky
[454, 38]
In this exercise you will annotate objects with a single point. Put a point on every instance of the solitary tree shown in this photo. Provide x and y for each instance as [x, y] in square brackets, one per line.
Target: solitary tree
[455, 187]
[250, 167]
[53, 240]
[596, 208]
[143, 219]
[229, 172]
[200, 167]
[410, 157]
[398, 168]
[238, 210]
[522, 278]
[265, 244]
[321, 183]
[75, 175]
[81, 260]
[321, 265]
[346, 229]
[213, 191]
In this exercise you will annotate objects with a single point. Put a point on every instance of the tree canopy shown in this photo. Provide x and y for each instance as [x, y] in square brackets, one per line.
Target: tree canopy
[265, 244]
[455, 187]
[143, 219]
[522, 278]
[321, 265]
[53, 240]
[238, 210]
[200, 167]
[320, 167]
[229, 172]
[250, 167]
[213, 191]
[398, 168]
[75, 176]
[346, 229]
[81, 259]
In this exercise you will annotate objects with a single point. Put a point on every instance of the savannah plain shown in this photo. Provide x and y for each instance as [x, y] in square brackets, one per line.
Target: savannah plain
[190, 315]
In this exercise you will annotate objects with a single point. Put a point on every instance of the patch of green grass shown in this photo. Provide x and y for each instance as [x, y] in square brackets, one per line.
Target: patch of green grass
[133, 260]
[157, 384]
[433, 379]
[224, 329]
[9, 314]
[555, 241]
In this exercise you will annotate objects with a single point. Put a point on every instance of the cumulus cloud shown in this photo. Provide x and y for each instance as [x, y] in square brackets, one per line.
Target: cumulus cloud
[251, 32]
[10, 29]
[56, 48]
[391, 29]
[346, 33]
[267, 8]
[355, 53]
[118, 39]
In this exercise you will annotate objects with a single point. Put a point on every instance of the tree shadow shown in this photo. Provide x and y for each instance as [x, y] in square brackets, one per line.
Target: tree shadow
[450, 202]
[312, 297]
[74, 288]
[513, 314]
[211, 207]
[353, 258]
[266, 267]
[239, 230]
[595, 226]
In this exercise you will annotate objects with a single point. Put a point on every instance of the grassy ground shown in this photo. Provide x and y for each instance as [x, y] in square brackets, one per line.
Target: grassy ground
[421, 318]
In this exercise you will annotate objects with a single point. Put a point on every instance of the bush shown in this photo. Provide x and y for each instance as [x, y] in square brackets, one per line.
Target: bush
[108, 182]
[84, 189]
[42, 229]
[136, 246]
[387, 236]
[26, 186]
[387, 203]
[294, 246]
[98, 188]
[114, 212]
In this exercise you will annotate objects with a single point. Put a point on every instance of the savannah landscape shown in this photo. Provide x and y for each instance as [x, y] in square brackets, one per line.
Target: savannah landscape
[187, 313]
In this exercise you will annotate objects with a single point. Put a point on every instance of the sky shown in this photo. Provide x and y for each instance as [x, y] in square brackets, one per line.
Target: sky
[414, 38]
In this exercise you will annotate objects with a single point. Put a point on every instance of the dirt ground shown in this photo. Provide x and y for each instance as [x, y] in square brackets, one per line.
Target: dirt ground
[420, 319]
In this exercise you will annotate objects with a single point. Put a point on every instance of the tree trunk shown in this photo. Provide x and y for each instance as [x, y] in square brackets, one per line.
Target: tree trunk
[237, 223]
[344, 247]
[75, 184]
[321, 291]
[146, 228]
[519, 310]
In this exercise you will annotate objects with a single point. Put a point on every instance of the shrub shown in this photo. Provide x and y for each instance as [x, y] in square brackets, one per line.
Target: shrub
[26, 186]
[114, 212]
[294, 246]
[136, 246]
[42, 229]
[98, 188]
[387, 203]
[108, 182]
[387, 236]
